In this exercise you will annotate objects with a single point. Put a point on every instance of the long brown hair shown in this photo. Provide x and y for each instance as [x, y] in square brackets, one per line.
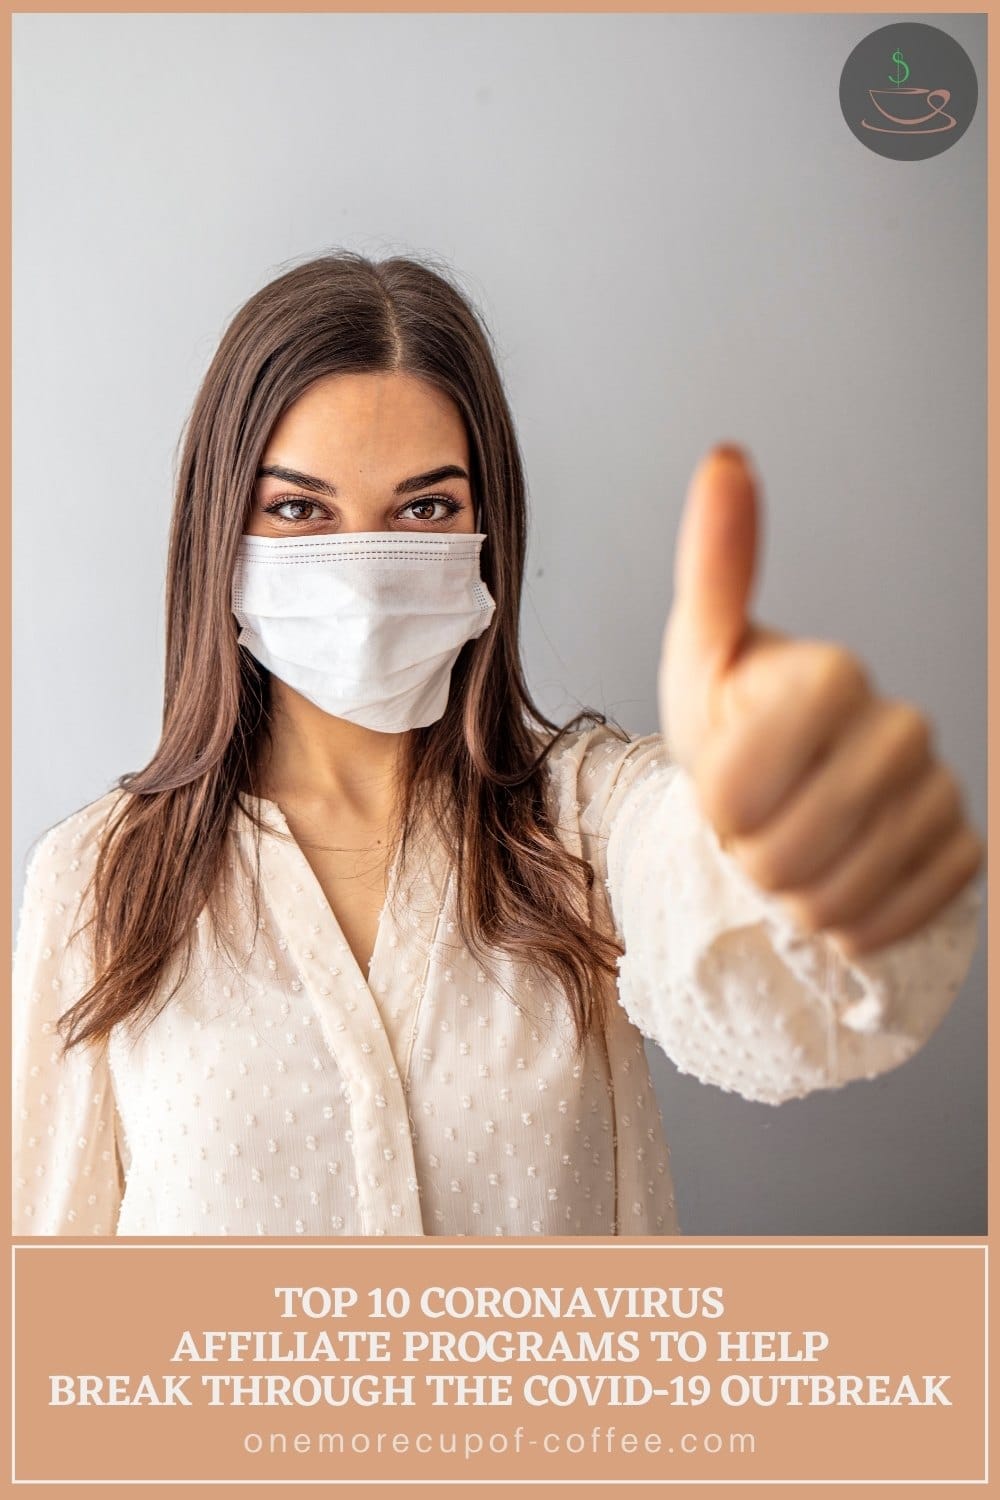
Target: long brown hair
[480, 769]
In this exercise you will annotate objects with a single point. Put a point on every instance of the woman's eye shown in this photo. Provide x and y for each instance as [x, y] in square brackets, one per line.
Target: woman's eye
[429, 502]
[281, 507]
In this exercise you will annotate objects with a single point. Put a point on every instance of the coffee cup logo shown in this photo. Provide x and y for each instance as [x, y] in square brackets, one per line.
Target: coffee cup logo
[908, 91]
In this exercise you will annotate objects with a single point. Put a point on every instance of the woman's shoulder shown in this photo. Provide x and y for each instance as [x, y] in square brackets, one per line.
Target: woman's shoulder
[600, 751]
[57, 902]
[63, 849]
[592, 770]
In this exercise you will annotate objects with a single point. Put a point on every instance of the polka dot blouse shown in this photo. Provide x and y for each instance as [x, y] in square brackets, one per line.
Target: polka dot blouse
[293, 1094]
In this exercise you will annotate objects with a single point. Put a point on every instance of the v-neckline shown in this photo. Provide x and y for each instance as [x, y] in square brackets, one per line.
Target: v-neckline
[310, 881]
[353, 1026]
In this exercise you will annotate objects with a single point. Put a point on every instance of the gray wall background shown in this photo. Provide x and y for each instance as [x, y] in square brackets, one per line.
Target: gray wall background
[675, 239]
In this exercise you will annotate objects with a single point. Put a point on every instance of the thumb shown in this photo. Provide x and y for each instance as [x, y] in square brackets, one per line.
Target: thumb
[715, 556]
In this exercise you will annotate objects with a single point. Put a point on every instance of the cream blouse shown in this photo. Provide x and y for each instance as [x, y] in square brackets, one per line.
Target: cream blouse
[291, 1094]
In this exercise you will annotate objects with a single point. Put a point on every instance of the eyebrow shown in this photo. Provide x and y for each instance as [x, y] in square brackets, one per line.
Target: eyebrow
[405, 486]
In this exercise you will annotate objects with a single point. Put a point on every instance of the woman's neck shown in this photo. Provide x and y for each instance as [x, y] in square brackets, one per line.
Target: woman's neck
[315, 759]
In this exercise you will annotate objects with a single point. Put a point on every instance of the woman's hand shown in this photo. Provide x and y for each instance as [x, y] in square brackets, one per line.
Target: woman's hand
[826, 794]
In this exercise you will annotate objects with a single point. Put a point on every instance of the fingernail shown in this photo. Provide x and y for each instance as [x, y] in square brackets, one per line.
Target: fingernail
[730, 452]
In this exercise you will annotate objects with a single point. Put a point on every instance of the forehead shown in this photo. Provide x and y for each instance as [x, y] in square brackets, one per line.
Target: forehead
[384, 418]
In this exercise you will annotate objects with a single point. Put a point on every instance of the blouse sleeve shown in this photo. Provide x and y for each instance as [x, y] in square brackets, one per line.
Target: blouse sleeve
[66, 1177]
[716, 971]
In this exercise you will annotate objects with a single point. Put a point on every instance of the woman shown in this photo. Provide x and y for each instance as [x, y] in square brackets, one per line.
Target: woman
[370, 945]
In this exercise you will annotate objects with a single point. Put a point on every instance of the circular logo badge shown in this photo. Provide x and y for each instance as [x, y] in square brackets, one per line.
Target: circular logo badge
[908, 91]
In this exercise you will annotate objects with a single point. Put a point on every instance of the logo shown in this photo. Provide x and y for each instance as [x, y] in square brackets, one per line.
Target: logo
[908, 91]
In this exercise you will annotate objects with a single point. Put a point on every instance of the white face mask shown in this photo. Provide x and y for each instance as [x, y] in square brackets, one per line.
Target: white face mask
[366, 625]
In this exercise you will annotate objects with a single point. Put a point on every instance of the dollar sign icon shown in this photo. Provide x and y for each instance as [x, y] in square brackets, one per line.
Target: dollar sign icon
[900, 62]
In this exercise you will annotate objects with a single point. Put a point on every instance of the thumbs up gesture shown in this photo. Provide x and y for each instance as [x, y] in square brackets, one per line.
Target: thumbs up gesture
[826, 794]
